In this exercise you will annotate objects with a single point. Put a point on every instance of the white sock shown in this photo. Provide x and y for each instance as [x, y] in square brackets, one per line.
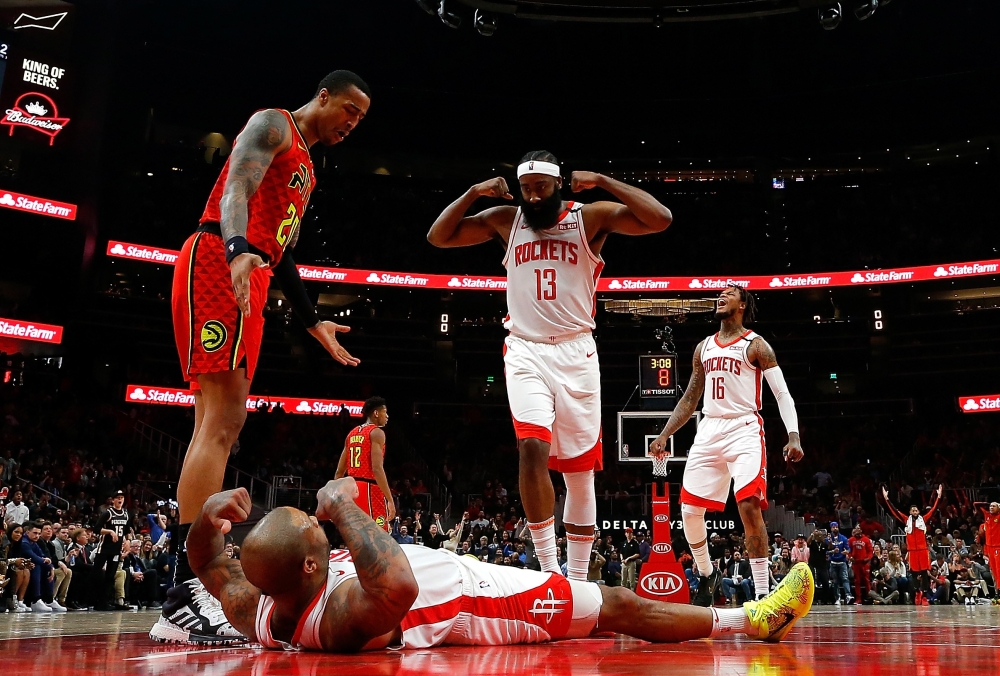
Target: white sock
[543, 537]
[761, 581]
[729, 621]
[700, 554]
[578, 548]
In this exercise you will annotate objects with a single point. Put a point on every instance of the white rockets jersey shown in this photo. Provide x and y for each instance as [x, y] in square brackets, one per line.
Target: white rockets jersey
[732, 383]
[551, 279]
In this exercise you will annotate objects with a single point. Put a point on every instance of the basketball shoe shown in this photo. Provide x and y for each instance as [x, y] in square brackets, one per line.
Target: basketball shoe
[773, 616]
[192, 615]
[707, 585]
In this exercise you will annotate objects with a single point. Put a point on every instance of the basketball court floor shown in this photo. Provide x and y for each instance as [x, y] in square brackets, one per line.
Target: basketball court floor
[876, 641]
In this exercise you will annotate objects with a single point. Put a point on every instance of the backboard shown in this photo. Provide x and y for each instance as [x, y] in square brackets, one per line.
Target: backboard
[638, 429]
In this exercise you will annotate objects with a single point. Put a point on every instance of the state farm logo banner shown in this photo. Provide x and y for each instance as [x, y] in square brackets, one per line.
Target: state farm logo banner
[39, 333]
[142, 253]
[37, 205]
[981, 404]
[149, 394]
[611, 284]
[35, 111]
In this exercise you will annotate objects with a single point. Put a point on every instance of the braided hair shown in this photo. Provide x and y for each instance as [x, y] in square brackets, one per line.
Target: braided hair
[750, 313]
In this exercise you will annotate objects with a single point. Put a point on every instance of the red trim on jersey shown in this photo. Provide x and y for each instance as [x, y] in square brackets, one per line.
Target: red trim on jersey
[431, 614]
[716, 338]
[757, 487]
[296, 637]
[565, 213]
[591, 460]
[531, 431]
[597, 275]
[758, 395]
[693, 500]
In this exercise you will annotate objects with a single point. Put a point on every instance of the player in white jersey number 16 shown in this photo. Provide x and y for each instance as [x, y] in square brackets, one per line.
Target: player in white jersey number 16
[553, 261]
[728, 369]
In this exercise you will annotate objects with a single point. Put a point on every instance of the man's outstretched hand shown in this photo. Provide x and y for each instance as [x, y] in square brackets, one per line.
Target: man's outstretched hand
[332, 493]
[326, 334]
[226, 508]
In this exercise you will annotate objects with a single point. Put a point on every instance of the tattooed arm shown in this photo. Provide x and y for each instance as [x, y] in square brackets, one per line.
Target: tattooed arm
[366, 613]
[265, 135]
[223, 577]
[687, 404]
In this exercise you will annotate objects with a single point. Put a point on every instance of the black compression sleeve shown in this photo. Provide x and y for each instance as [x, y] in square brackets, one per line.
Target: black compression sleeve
[295, 291]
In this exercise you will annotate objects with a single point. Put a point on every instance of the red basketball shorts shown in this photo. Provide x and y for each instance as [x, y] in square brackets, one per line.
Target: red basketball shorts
[372, 502]
[212, 334]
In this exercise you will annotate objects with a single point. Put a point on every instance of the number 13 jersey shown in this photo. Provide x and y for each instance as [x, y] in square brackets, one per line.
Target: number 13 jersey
[551, 279]
[732, 383]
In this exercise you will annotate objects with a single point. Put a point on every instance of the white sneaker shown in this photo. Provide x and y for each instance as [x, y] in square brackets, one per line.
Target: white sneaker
[21, 608]
[193, 616]
[40, 606]
[56, 608]
[837, 602]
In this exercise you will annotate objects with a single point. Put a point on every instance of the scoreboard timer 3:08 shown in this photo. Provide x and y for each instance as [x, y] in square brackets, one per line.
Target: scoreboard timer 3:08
[658, 375]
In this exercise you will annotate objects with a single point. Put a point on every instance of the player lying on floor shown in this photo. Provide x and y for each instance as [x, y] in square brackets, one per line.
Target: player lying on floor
[288, 591]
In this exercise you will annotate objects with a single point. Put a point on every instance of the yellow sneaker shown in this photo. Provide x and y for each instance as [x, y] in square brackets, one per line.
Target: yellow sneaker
[773, 616]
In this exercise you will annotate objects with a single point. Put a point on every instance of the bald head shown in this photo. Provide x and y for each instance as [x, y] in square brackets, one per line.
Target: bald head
[283, 551]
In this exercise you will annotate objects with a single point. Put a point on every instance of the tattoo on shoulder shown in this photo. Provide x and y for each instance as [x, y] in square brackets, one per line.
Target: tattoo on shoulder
[764, 354]
[239, 598]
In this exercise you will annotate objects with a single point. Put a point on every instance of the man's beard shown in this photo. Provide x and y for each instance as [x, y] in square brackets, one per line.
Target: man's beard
[542, 214]
[724, 314]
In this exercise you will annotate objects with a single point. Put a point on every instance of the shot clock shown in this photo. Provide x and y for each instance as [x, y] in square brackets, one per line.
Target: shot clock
[658, 376]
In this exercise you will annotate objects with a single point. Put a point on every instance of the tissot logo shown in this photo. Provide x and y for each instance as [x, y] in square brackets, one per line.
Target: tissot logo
[662, 584]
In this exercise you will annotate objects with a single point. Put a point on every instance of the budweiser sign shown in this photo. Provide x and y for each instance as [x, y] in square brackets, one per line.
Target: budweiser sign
[151, 394]
[702, 285]
[37, 205]
[40, 333]
[981, 404]
[35, 111]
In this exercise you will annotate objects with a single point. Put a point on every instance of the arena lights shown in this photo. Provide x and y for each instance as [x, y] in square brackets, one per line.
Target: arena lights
[39, 333]
[980, 404]
[429, 6]
[449, 19]
[611, 284]
[151, 394]
[37, 205]
[486, 24]
[830, 17]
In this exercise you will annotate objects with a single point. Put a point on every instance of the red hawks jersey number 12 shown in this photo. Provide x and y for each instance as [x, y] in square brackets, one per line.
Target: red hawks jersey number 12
[551, 278]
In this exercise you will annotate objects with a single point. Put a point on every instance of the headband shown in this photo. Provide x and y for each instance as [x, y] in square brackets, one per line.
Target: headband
[538, 167]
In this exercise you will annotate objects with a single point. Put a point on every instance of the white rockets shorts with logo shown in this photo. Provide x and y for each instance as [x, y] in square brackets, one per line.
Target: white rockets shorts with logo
[554, 390]
[724, 450]
[463, 601]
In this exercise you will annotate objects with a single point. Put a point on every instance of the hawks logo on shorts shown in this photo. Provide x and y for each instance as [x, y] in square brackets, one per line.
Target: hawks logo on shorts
[213, 335]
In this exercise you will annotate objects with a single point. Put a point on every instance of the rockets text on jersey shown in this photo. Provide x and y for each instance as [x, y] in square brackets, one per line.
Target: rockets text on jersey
[551, 279]
[275, 211]
[359, 452]
[732, 383]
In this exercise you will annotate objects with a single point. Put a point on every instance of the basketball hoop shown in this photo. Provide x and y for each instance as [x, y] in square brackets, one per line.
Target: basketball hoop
[659, 464]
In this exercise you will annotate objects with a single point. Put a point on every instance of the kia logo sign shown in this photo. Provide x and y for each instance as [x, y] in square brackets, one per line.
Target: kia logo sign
[662, 548]
[661, 518]
[662, 584]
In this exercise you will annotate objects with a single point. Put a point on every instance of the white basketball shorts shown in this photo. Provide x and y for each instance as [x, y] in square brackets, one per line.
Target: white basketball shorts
[724, 450]
[554, 392]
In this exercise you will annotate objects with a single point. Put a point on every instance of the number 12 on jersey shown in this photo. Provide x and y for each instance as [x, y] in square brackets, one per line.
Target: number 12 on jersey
[545, 283]
[718, 388]
[354, 453]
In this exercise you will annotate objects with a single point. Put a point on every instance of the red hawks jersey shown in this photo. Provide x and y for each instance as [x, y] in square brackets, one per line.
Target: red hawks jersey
[275, 210]
[359, 452]
[551, 279]
[991, 529]
[732, 383]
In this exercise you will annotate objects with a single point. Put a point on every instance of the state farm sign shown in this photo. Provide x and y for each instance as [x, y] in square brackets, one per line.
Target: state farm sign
[981, 404]
[39, 333]
[150, 394]
[37, 205]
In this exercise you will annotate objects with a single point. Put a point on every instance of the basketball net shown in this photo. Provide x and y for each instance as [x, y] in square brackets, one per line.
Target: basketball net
[662, 576]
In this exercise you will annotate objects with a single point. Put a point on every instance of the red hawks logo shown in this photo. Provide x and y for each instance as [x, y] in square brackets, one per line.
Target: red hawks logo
[35, 111]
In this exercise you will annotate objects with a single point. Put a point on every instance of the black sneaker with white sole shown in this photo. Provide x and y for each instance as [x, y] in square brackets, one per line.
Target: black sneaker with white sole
[191, 615]
[707, 585]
